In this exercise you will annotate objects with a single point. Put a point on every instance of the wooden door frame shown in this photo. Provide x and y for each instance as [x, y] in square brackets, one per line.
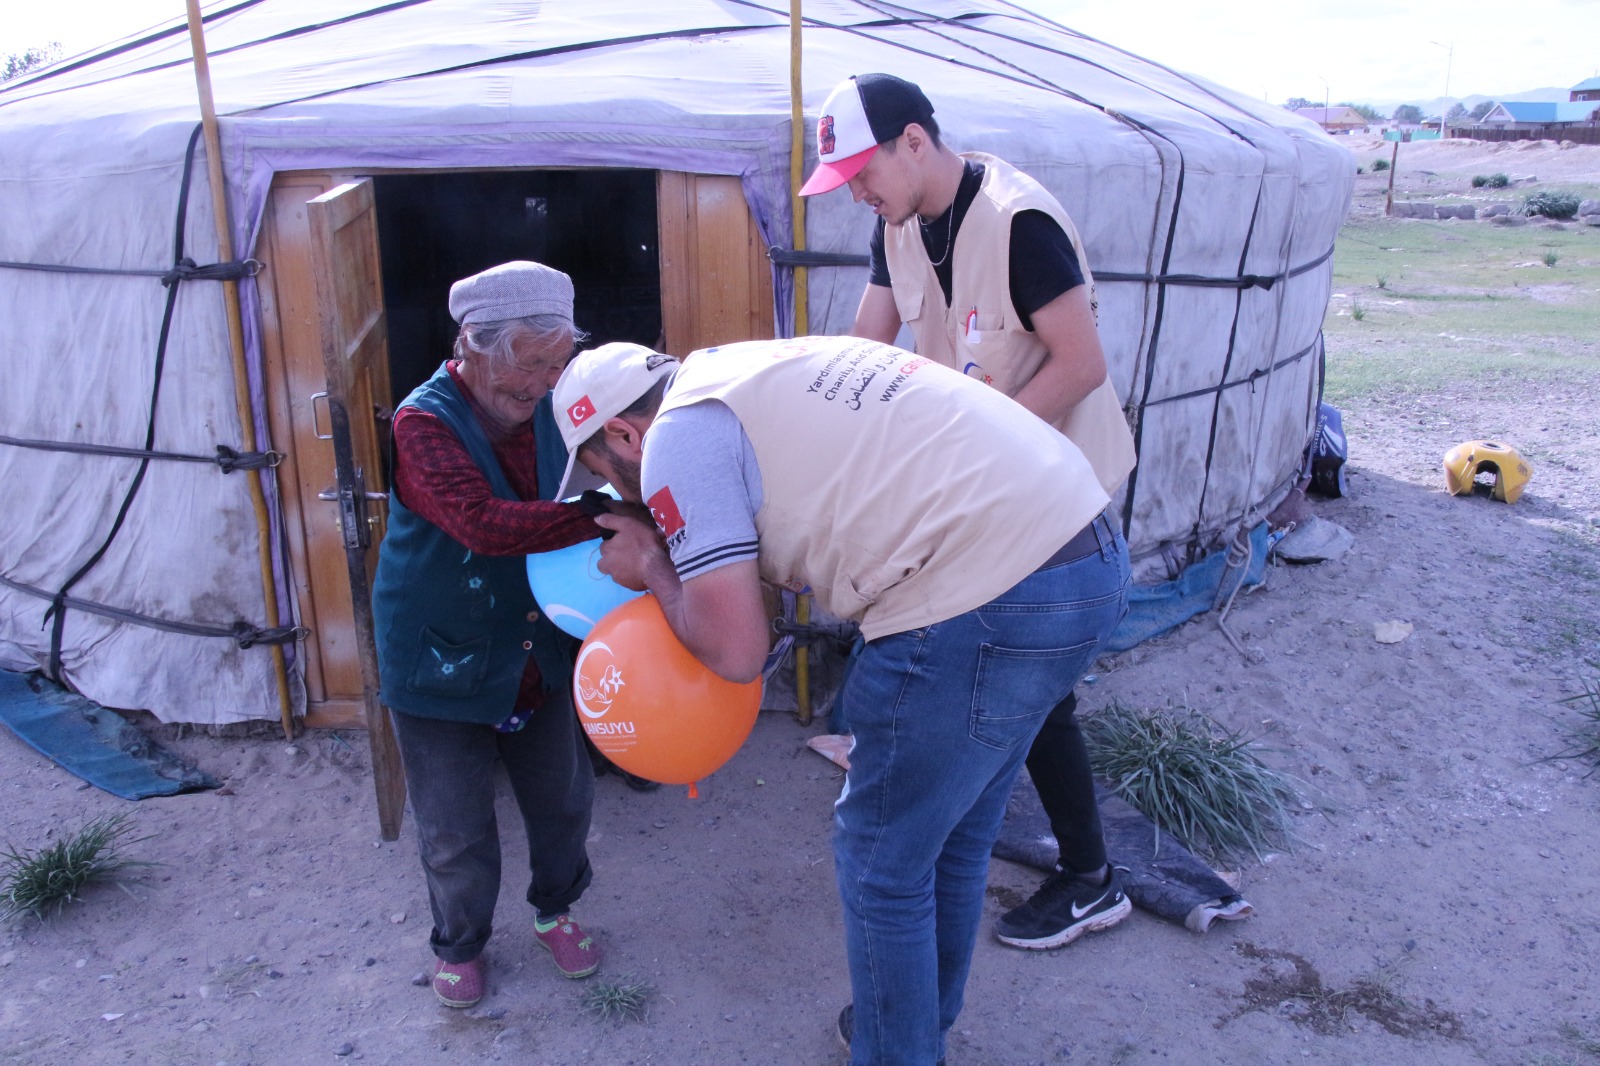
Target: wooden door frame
[712, 265]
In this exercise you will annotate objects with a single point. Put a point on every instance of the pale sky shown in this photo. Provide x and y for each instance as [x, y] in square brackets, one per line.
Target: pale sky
[1358, 51]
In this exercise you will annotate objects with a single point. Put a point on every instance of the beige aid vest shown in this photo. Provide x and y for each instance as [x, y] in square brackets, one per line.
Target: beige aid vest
[901, 492]
[980, 333]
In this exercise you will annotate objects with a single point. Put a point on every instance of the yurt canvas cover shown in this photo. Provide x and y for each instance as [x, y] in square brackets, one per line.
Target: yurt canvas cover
[1208, 218]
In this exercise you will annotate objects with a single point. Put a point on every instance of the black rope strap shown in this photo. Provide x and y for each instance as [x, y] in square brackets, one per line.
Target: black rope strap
[185, 270]
[1243, 281]
[227, 459]
[240, 632]
[56, 616]
[790, 257]
[1249, 379]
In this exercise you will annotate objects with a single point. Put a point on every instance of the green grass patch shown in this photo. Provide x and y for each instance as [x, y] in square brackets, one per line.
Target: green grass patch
[1581, 731]
[1444, 303]
[618, 999]
[1194, 779]
[40, 883]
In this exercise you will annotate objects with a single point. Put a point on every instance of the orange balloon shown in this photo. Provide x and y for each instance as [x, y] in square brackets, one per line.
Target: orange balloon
[650, 706]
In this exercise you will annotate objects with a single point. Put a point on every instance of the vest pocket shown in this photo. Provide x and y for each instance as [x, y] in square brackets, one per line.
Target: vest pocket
[446, 669]
[908, 300]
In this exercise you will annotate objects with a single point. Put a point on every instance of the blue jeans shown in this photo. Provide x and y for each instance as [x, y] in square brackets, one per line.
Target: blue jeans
[943, 717]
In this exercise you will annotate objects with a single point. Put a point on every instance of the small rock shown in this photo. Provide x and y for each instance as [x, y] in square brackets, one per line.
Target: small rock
[293, 750]
[274, 974]
[199, 1027]
[398, 917]
[419, 979]
[344, 1049]
[372, 961]
[251, 960]
[1410, 945]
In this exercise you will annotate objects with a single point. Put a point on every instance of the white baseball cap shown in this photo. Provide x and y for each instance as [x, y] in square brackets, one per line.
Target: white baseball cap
[598, 385]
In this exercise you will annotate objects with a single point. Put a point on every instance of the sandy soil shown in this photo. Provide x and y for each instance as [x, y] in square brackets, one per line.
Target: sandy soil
[1442, 910]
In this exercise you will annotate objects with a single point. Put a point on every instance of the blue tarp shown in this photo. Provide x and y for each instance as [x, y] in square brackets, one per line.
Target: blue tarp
[1154, 609]
[97, 745]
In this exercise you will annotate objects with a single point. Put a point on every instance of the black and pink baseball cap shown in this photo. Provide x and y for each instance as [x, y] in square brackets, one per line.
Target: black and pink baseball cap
[861, 113]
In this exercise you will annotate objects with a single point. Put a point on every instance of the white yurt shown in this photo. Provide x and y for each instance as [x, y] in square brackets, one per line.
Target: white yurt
[192, 492]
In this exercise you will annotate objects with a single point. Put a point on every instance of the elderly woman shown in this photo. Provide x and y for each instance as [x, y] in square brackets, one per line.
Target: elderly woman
[472, 670]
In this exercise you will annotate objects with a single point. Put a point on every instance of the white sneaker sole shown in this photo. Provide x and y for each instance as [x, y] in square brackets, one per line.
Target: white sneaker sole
[1072, 932]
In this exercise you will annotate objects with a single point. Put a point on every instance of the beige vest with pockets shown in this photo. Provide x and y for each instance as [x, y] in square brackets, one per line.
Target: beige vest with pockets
[901, 492]
[980, 334]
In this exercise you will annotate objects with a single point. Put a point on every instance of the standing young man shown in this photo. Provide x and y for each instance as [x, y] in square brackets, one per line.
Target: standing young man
[986, 269]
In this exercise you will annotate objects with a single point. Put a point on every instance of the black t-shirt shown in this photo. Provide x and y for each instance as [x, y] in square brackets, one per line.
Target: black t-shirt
[1043, 265]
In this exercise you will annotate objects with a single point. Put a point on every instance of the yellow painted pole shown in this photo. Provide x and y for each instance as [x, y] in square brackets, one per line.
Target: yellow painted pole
[241, 379]
[802, 319]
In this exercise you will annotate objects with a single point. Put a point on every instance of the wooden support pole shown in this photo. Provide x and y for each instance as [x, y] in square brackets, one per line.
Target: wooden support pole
[802, 295]
[1394, 160]
[241, 377]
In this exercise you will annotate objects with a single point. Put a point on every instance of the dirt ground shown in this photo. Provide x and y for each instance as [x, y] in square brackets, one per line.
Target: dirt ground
[1442, 910]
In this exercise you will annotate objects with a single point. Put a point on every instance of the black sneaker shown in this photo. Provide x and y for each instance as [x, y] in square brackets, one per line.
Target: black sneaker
[1062, 910]
[847, 1027]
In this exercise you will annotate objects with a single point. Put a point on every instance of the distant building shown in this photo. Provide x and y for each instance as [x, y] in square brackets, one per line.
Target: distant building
[1551, 116]
[1340, 118]
[1546, 118]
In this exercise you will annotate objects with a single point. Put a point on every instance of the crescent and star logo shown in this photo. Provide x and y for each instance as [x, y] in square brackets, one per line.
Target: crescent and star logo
[664, 509]
[581, 411]
[597, 679]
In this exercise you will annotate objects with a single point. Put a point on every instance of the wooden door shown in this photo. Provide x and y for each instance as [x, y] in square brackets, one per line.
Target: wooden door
[291, 341]
[347, 276]
[716, 282]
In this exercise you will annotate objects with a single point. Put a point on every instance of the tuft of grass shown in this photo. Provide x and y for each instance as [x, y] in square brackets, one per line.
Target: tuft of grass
[617, 1000]
[1581, 1040]
[1357, 312]
[1551, 258]
[1379, 164]
[1551, 204]
[40, 883]
[1583, 735]
[1493, 181]
[1383, 281]
[1194, 779]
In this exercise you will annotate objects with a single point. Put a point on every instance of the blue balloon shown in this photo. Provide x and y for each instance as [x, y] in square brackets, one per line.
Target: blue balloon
[570, 588]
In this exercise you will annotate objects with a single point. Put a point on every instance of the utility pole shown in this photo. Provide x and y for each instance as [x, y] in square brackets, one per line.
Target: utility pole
[1449, 58]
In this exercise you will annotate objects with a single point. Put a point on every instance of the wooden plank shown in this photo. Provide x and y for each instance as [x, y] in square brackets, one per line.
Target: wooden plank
[716, 284]
[347, 273]
[293, 345]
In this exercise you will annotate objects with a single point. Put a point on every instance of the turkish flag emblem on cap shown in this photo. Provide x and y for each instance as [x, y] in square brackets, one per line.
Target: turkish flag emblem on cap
[581, 411]
[664, 509]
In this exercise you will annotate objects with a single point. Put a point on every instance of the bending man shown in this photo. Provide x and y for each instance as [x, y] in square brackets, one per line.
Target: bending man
[966, 539]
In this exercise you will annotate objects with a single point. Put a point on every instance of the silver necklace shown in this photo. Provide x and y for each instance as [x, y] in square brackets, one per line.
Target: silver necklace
[949, 236]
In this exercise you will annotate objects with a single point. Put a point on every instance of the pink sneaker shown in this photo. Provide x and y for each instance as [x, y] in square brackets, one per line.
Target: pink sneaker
[574, 951]
[458, 984]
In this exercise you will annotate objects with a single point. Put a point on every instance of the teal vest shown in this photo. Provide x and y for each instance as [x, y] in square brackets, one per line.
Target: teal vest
[455, 628]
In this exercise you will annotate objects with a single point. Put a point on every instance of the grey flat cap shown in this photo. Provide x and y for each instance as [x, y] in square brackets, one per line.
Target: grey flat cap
[518, 289]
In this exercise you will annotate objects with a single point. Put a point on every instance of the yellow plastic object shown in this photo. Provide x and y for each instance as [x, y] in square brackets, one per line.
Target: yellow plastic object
[1463, 463]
